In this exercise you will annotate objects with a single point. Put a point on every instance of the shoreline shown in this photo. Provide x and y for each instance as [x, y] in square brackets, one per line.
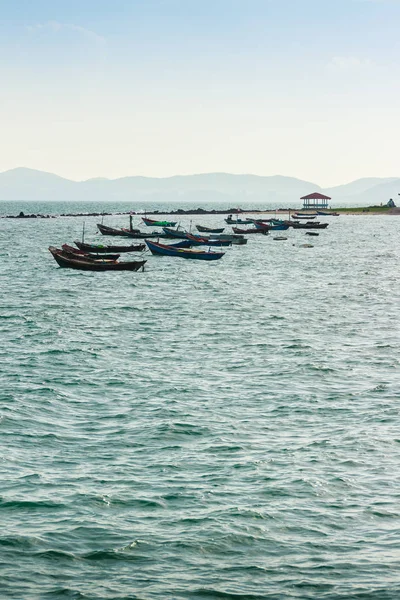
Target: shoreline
[200, 212]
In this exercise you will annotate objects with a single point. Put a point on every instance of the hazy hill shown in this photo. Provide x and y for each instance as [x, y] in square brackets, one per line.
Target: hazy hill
[29, 184]
[376, 194]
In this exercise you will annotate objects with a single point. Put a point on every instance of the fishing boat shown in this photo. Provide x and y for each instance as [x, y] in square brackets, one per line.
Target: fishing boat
[181, 244]
[100, 249]
[226, 237]
[310, 225]
[231, 221]
[207, 241]
[268, 227]
[203, 229]
[303, 216]
[178, 233]
[106, 230]
[153, 223]
[165, 250]
[246, 231]
[142, 235]
[124, 232]
[76, 252]
[66, 261]
[311, 233]
[327, 214]
[231, 237]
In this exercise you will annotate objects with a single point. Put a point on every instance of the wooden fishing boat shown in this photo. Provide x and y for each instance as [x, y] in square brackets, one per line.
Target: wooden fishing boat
[165, 250]
[142, 235]
[153, 223]
[106, 230]
[310, 225]
[207, 241]
[203, 229]
[66, 261]
[100, 249]
[178, 233]
[327, 214]
[181, 244]
[245, 231]
[124, 232]
[76, 252]
[304, 216]
[231, 221]
[268, 227]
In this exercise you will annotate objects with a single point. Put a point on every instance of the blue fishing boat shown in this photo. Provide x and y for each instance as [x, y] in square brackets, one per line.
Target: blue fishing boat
[165, 250]
[178, 233]
[269, 227]
[181, 244]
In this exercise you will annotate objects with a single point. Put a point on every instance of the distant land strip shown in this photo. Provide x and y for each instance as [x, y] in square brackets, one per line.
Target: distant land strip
[360, 210]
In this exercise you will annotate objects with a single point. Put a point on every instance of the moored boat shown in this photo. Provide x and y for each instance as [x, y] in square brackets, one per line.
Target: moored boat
[100, 249]
[178, 233]
[203, 229]
[165, 250]
[303, 216]
[269, 227]
[67, 261]
[231, 221]
[246, 231]
[207, 241]
[310, 225]
[77, 252]
[124, 232]
[153, 223]
[106, 230]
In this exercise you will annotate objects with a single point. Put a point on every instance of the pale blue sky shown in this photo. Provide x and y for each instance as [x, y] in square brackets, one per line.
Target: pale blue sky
[307, 88]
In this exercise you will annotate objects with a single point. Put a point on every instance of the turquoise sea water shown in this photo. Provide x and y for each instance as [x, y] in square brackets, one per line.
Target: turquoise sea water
[225, 430]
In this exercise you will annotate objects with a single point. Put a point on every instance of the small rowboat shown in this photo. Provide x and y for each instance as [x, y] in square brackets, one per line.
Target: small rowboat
[66, 261]
[176, 233]
[246, 231]
[153, 223]
[165, 250]
[100, 249]
[303, 216]
[310, 225]
[209, 229]
[207, 241]
[237, 221]
[76, 252]
[132, 233]
[105, 230]
[181, 244]
[267, 227]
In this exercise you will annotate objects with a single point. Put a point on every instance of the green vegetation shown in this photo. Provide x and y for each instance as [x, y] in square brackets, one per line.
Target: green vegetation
[363, 209]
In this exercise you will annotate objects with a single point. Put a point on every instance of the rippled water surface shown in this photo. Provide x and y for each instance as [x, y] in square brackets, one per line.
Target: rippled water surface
[225, 430]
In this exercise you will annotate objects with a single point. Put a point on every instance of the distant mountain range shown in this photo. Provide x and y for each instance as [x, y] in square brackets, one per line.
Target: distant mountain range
[236, 190]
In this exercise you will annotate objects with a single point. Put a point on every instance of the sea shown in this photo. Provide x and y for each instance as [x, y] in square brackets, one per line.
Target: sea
[222, 430]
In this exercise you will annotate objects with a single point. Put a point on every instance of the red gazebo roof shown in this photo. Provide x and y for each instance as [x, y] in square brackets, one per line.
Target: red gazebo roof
[315, 196]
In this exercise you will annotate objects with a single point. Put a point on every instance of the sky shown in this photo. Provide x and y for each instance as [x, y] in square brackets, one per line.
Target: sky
[109, 88]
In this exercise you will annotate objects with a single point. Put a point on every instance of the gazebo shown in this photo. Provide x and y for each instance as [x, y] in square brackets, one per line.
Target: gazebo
[315, 200]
